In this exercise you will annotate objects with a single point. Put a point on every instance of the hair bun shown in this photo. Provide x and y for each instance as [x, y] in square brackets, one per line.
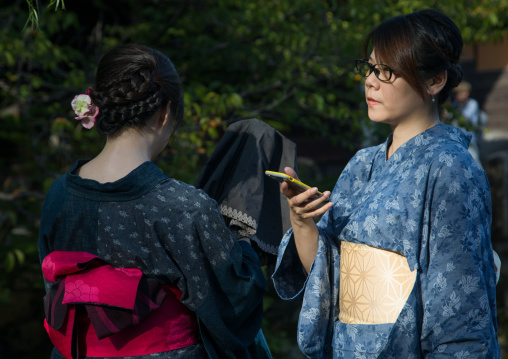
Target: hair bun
[141, 81]
[459, 74]
[132, 83]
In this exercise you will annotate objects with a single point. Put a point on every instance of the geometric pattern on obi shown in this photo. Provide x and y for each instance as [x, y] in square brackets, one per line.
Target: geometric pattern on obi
[374, 284]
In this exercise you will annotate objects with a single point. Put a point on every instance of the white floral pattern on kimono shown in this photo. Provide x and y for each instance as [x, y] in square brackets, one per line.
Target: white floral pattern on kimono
[431, 203]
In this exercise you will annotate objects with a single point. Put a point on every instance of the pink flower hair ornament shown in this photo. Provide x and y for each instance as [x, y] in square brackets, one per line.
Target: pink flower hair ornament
[85, 111]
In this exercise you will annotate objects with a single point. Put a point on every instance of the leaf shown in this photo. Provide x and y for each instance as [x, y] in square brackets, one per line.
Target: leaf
[213, 133]
[234, 101]
[10, 261]
[20, 256]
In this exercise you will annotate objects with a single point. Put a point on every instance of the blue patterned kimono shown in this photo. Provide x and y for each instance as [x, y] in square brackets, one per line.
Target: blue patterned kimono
[431, 203]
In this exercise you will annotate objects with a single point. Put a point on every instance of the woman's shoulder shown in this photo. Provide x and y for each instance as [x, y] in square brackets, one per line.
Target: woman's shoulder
[56, 189]
[447, 143]
[446, 135]
[181, 191]
[449, 157]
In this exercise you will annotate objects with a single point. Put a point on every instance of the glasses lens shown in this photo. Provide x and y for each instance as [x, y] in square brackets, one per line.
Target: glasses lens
[383, 72]
[363, 68]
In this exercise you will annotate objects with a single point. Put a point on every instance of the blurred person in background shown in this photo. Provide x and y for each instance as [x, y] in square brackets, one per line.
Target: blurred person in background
[476, 118]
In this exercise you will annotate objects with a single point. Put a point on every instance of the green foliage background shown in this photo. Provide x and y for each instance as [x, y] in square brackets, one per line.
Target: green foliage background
[287, 62]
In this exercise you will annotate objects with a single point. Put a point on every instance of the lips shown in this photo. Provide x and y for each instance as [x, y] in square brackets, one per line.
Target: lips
[371, 101]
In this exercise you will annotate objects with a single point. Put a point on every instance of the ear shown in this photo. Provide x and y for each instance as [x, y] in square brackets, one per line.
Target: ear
[436, 83]
[165, 114]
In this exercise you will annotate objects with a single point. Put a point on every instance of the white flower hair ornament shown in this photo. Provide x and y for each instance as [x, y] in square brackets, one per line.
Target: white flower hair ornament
[84, 109]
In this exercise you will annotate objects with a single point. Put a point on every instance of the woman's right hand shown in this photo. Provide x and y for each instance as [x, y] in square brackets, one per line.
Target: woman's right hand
[301, 206]
[302, 213]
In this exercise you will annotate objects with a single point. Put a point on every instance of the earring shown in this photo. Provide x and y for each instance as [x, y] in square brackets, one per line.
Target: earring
[433, 99]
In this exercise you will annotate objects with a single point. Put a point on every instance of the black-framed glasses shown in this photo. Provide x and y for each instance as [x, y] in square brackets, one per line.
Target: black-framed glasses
[382, 72]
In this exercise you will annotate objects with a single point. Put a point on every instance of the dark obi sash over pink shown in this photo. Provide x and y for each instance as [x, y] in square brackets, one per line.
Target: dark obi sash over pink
[94, 309]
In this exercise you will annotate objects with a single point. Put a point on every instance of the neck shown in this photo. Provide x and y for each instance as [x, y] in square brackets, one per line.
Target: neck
[403, 132]
[128, 148]
[119, 157]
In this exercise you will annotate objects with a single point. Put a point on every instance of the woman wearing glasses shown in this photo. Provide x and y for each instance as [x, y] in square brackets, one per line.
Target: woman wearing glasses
[401, 263]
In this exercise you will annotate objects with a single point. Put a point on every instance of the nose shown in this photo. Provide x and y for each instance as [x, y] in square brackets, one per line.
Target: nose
[371, 80]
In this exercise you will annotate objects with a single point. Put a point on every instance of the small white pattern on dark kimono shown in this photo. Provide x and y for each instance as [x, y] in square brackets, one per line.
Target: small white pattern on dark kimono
[169, 233]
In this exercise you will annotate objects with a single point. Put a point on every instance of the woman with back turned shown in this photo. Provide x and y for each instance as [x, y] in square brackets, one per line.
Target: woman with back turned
[401, 263]
[137, 264]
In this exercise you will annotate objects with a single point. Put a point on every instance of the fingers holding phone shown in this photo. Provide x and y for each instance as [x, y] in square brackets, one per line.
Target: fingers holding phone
[305, 201]
[309, 204]
[288, 187]
[291, 172]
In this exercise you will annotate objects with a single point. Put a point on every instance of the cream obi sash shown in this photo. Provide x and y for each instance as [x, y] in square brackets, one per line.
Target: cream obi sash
[374, 284]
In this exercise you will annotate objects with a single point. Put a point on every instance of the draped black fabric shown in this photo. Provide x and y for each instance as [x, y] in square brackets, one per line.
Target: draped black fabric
[235, 177]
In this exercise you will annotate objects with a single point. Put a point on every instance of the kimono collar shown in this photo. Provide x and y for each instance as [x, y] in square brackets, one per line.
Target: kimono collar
[137, 183]
[439, 132]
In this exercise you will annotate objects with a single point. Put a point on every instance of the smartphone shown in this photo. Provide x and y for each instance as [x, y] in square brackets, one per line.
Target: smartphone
[297, 185]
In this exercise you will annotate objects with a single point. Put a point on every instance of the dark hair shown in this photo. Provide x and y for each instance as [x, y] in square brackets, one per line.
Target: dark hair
[131, 84]
[418, 46]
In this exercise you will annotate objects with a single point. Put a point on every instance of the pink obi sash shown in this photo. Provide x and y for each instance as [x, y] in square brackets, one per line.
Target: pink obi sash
[94, 309]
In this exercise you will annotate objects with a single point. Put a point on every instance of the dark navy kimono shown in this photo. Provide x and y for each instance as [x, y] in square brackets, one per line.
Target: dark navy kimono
[173, 233]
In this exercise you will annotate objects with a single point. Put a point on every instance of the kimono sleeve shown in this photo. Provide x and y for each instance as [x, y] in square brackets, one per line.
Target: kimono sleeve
[289, 277]
[317, 315]
[317, 290]
[230, 309]
[458, 278]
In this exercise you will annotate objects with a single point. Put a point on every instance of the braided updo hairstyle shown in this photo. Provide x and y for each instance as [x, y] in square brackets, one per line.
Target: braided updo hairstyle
[418, 46]
[131, 84]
